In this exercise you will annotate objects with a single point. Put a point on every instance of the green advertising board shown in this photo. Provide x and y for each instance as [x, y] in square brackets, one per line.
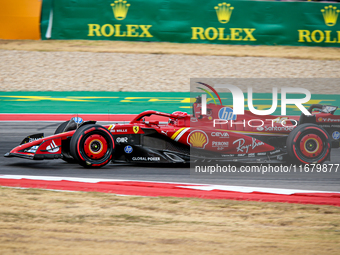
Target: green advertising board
[195, 21]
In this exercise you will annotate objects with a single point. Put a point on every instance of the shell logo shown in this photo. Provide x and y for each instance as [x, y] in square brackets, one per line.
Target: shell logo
[198, 139]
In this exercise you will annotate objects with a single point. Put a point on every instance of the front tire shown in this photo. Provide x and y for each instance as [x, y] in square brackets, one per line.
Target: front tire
[92, 146]
[66, 144]
[309, 144]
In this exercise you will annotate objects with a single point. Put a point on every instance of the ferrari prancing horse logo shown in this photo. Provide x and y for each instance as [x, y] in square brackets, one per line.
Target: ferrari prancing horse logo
[135, 129]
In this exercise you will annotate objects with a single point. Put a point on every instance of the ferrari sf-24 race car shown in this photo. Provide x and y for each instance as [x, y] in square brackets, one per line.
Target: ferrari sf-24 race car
[184, 138]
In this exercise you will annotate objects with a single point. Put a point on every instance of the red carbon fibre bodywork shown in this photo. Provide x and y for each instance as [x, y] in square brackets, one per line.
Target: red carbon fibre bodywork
[196, 131]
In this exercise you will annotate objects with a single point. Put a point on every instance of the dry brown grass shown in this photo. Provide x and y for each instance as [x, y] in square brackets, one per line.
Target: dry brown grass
[317, 53]
[46, 222]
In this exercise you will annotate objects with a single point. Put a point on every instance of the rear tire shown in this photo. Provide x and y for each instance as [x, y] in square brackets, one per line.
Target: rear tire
[309, 144]
[92, 146]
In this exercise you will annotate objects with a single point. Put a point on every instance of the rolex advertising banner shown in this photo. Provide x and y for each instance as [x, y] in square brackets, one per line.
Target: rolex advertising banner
[195, 21]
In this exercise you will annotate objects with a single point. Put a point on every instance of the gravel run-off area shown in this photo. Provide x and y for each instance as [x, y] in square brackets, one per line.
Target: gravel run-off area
[88, 71]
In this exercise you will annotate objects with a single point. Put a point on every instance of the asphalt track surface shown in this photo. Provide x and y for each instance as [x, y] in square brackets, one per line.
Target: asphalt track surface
[12, 133]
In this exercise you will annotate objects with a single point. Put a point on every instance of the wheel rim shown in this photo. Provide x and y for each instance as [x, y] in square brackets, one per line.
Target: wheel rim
[311, 145]
[95, 146]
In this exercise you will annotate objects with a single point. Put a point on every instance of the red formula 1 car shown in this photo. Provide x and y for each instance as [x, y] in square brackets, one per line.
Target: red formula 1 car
[187, 138]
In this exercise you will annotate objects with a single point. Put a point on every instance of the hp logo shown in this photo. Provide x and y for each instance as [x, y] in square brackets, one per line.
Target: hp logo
[226, 113]
[128, 149]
